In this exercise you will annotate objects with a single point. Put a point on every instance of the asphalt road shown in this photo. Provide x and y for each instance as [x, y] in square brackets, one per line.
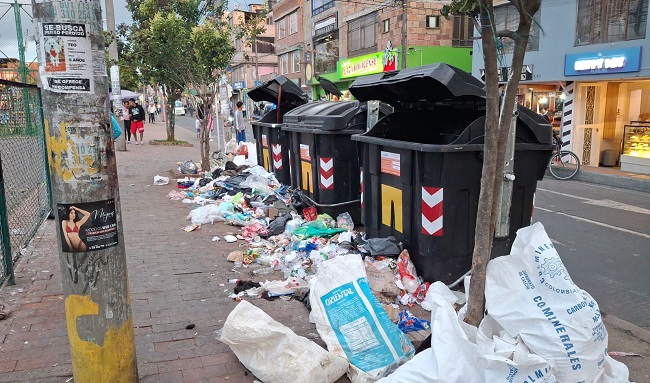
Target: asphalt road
[603, 237]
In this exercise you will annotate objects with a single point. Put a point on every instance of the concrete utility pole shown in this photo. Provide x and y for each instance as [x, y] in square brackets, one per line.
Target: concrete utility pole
[404, 32]
[116, 94]
[83, 173]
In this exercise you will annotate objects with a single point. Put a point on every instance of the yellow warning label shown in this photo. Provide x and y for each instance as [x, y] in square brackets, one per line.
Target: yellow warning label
[305, 170]
[265, 159]
[391, 207]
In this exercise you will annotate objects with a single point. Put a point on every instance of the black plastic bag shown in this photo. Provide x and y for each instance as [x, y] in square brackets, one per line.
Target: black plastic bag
[189, 167]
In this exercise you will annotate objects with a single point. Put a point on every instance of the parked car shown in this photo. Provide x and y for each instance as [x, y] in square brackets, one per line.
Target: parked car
[179, 108]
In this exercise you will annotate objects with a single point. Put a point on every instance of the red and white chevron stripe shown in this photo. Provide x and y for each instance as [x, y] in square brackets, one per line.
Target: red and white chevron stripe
[432, 199]
[277, 156]
[361, 186]
[326, 173]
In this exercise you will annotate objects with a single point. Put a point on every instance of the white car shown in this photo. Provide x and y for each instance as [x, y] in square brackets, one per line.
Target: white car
[179, 108]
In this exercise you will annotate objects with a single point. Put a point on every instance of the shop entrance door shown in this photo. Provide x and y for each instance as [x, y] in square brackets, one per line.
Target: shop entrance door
[590, 116]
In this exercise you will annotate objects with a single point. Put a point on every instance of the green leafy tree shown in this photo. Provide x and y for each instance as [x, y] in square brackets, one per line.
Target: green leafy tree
[173, 40]
[497, 124]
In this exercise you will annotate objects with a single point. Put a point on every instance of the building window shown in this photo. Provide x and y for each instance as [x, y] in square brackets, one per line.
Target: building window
[433, 21]
[293, 23]
[386, 26]
[463, 31]
[269, 20]
[319, 6]
[327, 53]
[265, 45]
[282, 28]
[606, 21]
[507, 18]
[284, 64]
[295, 62]
[362, 33]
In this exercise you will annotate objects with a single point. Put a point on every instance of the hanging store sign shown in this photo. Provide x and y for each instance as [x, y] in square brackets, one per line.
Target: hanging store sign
[505, 72]
[325, 26]
[603, 62]
[366, 64]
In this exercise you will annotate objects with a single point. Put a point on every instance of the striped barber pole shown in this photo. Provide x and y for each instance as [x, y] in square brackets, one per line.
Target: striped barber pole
[567, 116]
[361, 186]
[432, 211]
[326, 173]
[277, 156]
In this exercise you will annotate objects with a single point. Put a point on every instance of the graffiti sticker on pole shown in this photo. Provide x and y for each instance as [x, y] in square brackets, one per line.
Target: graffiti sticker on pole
[66, 61]
[87, 226]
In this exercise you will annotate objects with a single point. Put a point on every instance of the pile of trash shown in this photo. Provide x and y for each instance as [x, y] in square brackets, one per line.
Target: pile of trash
[541, 327]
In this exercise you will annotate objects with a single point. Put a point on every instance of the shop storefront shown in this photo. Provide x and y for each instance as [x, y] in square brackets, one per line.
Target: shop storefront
[612, 116]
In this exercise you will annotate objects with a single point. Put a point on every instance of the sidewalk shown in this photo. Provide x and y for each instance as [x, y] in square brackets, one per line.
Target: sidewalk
[174, 281]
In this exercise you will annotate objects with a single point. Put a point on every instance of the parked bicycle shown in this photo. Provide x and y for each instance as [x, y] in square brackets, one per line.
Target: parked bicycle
[563, 164]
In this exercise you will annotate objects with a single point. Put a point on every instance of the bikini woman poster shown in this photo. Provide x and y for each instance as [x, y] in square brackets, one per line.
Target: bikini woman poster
[87, 226]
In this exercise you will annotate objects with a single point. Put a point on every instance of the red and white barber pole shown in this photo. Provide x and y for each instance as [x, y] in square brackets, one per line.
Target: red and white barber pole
[277, 156]
[326, 173]
[432, 199]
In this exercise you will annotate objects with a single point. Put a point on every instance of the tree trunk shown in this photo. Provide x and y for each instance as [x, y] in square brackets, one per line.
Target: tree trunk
[496, 136]
[171, 120]
[205, 137]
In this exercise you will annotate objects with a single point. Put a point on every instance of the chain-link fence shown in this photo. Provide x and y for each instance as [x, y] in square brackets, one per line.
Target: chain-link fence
[24, 169]
[25, 200]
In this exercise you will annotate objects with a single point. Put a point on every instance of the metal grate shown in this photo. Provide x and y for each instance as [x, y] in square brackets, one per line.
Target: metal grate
[25, 201]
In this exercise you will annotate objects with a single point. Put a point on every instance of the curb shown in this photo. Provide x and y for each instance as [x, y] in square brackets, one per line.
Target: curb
[622, 182]
[633, 329]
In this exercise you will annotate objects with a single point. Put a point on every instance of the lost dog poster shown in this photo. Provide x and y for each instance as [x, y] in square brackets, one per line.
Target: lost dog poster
[65, 57]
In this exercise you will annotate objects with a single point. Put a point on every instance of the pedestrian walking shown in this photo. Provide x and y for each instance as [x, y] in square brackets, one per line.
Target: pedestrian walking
[126, 118]
[152, 113]
[240, 123]
[137, 114]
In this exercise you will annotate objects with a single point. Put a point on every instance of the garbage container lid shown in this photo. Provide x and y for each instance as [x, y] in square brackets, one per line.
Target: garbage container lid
[430, 82]
[325, 115]
[291, 93]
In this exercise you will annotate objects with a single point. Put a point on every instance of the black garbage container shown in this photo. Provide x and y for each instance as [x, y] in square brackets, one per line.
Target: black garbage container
[422, 165]
[325, 160]
[271, 143]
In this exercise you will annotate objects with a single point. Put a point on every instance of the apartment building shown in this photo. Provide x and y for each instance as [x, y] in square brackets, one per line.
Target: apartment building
[289, 32]
[356, 38]
[584, 61]
[251, 65]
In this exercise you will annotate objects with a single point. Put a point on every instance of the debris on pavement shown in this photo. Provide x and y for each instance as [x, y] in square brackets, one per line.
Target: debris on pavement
[356, 289]
[274, 353]
[160, 180]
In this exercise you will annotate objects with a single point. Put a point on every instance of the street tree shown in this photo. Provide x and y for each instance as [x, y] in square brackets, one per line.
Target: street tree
[497, 124]
[161, 39]
[212, 47]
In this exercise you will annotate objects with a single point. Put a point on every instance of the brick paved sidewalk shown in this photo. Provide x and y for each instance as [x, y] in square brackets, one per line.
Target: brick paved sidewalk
[174, 281]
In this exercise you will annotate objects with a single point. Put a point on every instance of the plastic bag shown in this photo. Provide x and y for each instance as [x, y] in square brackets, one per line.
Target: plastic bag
[407, 272]
[242, 150]
[188, 167]
[257, 183]
[353, 323]
[409, 322]
[160, 180]
[530, 294]
[274, 353]
[231, 146]
[206, 214]
[344, 221]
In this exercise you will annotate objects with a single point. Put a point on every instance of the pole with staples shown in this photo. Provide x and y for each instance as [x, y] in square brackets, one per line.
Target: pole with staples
[83, 175]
